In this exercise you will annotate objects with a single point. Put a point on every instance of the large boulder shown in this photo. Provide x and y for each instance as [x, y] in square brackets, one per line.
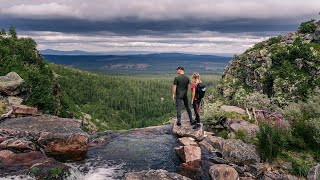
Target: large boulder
[216, 141]
[189, 153]
[238, 152]
[223, 172]
[9, 84]
[60, 138]
[314, 173]
[154, 174]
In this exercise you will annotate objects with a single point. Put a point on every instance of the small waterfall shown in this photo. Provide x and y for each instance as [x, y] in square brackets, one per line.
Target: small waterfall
[22, 177]
[89, 171]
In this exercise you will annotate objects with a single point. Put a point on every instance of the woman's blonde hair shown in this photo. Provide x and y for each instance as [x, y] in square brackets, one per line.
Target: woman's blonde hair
[196, 77]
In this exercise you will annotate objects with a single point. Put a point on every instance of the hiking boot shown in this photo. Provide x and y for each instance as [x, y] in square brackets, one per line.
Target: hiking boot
[193, 122]
[178, 124]
[196, 126]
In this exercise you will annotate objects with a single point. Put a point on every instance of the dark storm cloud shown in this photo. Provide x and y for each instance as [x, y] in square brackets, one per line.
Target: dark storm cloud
[134, 27]
[155, 25]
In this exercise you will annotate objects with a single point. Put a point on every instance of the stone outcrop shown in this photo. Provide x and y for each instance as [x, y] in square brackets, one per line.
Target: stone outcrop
[314, 173]
[154, 174]
[238, 152]
[9, 84]
[223, 172]
[189, 153]
[60, 138]
[186, 130]
[255, 69]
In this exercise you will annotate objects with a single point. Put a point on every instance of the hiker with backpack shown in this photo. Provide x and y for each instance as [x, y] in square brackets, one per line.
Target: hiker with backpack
[179, 93]
[197, 93]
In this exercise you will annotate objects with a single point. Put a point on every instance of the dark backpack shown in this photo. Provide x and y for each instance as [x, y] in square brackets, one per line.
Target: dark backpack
[201, 90]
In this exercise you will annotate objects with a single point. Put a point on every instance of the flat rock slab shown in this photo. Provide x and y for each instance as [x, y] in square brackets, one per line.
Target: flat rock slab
[154, 174]
[186, 129]
[24, 110]
[60, 138]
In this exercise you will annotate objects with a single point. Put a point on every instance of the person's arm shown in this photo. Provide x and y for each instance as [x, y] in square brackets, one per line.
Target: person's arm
[174, 88]
[193, 93]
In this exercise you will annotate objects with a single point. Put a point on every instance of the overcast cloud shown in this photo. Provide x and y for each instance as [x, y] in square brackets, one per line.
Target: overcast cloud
[204, 26]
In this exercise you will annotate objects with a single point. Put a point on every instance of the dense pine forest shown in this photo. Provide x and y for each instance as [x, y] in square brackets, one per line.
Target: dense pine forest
[114, 102]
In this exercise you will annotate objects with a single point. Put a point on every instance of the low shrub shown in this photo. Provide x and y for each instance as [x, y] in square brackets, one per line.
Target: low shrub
[240, 134]
[307, 27]
[224, 134]
[272, 140]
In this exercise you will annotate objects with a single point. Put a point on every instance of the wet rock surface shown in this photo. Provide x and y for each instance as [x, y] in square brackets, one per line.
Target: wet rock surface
[135, 150]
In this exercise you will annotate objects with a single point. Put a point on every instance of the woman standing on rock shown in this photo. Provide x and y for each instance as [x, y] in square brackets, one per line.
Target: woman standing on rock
[194, 100]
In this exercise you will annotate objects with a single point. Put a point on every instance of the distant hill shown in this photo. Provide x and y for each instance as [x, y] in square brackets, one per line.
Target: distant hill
[157, 63]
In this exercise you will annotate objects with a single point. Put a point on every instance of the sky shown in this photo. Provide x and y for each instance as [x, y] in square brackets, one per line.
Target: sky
[189, 26]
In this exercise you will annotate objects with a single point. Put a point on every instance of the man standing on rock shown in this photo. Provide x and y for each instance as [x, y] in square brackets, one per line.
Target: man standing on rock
[179, 93]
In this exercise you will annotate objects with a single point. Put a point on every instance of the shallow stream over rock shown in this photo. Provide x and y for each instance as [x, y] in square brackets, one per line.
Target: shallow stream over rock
[113, 153]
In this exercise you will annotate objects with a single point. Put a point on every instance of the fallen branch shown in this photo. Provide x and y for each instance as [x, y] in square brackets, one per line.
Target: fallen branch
[3, 116]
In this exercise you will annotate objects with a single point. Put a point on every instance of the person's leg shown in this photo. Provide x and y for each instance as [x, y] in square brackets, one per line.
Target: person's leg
[178, 105]
[196, 111]
[186, 104]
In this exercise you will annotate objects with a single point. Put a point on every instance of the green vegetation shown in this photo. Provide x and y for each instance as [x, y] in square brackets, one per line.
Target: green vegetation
[274, 40]
[301, 162]
[305, 123]
[271, 141]
[316, 46]
[1, 107]
[224, 134]
[114, 102]
[240, 134]
[20, 55]
[56, 172]
[33, 171]
[307, 27]
[117, 102]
